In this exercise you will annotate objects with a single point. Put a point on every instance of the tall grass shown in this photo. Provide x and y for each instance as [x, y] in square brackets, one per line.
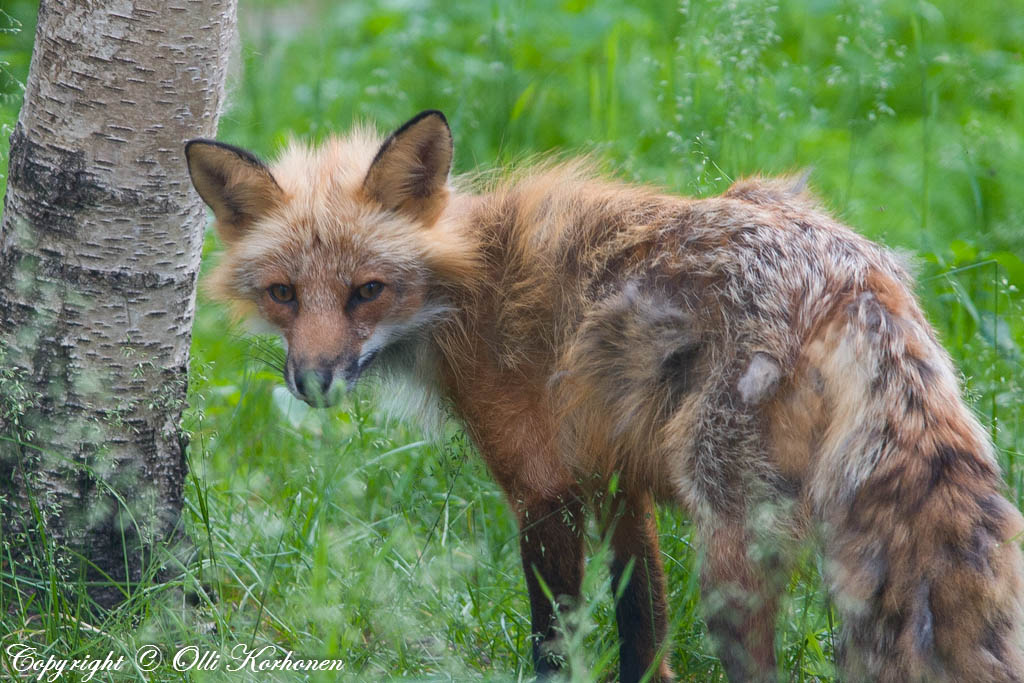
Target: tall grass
[340, 534]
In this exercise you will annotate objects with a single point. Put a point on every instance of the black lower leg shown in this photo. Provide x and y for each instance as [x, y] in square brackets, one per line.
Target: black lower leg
[551, 541]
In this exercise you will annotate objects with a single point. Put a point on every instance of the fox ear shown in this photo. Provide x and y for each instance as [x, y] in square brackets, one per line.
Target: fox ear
[233, 182]
[410, 172]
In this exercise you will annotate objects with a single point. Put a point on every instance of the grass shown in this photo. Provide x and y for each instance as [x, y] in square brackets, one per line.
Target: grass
[341, 535]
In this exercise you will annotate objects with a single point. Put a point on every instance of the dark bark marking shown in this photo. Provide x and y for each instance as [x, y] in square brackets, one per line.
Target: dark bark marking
[61, 183]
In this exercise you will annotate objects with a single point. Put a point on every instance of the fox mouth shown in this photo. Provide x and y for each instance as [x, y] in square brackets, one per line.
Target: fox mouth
[356, 368]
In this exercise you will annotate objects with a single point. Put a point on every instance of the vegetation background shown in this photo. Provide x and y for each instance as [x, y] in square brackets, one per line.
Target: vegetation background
[343, 535]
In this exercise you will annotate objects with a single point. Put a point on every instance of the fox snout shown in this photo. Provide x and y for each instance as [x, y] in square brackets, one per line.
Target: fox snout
[314, 381]
[312, 385]
[311, 382]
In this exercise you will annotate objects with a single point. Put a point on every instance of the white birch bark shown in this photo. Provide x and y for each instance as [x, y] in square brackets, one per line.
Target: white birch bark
[99, 251]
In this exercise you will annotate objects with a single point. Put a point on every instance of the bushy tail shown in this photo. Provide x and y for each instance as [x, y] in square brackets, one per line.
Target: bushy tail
[923, 551]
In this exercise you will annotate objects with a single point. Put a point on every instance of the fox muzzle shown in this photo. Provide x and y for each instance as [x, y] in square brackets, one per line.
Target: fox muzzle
[311, 382]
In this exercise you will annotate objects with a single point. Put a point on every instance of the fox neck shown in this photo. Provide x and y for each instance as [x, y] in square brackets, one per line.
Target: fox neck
[410, 368]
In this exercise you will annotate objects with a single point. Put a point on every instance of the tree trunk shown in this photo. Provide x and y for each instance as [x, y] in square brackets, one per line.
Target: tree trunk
[99, 251]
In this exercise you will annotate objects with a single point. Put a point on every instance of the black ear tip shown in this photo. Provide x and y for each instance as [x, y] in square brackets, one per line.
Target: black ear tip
[243, 154]
[433, 112]
[425, 114]
[193, 142]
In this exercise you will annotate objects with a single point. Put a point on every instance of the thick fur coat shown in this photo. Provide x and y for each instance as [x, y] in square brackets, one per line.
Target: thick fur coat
[746, 357]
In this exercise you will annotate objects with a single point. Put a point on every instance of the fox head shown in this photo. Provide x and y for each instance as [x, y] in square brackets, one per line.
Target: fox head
[343, 249]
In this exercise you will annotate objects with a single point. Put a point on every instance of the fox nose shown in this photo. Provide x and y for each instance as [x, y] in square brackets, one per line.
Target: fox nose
[314, 384]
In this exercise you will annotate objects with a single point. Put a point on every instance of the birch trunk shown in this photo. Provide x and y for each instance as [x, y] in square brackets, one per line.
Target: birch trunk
[99, 251]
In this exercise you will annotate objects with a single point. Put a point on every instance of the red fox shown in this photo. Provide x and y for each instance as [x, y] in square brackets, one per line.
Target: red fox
[745, 356]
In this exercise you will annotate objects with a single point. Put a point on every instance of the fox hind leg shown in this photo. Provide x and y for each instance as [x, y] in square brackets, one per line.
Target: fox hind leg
[741, 582]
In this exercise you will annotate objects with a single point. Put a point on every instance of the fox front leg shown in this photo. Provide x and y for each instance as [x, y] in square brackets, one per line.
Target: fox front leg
[512, 425]
[551, 541]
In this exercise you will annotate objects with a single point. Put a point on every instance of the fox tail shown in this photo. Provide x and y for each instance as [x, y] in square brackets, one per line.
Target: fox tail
[923, 552]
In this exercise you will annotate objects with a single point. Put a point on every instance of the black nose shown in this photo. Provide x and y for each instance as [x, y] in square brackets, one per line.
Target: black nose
[314, 384]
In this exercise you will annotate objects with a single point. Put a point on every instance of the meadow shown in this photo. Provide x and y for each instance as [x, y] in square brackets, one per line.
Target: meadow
[343, 534]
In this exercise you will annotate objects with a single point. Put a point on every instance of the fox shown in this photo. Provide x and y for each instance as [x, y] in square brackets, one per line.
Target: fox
[745, 357]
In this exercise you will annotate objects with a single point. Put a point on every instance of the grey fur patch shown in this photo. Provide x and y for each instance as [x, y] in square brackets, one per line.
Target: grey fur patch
[760, 380]
[924, 620]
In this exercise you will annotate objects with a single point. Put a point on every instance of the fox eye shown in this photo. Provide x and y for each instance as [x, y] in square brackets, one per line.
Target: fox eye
[282, 294]
[369, 291]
